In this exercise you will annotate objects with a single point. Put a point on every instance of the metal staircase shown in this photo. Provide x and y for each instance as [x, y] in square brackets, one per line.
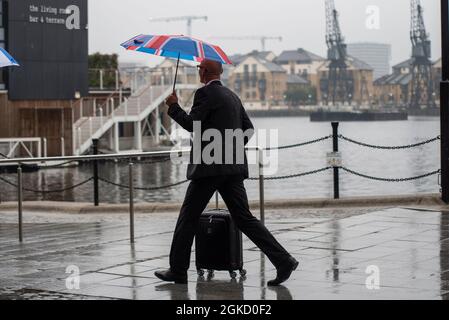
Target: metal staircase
[134, 109]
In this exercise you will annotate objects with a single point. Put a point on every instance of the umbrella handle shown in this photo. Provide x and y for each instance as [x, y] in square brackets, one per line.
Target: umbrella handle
[176, 73]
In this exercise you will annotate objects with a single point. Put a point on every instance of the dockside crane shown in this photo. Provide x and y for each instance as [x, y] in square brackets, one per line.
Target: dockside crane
[339, 85]
[262, 39]
[189, 20]
[422, 87]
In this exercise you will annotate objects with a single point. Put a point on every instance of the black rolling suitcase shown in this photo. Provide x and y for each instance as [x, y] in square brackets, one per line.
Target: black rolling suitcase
[218, 244]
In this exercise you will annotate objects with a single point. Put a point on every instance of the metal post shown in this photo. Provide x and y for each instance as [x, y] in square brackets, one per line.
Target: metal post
[216, 200]
[101, 118]
[261, 187]
[112, 104]
[79, 140]
[62, 147]
[19, 198]
[45, 147]
[73, 141]
[116, 138]
[116, 79]
[157, 125]
[95, 169]
[101, 79]
[444, 102]
[126, 108]
[90, 127]
[336, 169]
[131, 203]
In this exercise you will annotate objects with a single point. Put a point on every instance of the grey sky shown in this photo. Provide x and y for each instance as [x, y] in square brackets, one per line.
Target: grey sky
[301, 23]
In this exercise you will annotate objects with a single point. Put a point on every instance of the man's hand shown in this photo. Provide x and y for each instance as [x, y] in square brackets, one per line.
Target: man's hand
[173, 98]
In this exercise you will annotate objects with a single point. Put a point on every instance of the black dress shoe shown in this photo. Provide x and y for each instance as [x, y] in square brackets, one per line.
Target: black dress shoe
[170, 276]
[284, 272]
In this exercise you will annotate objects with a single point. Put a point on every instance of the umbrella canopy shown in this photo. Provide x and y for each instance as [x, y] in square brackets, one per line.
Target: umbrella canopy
[6, 59]
[177, 47]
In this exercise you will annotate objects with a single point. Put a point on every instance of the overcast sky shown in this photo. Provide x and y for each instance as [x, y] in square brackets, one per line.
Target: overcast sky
[301, 23]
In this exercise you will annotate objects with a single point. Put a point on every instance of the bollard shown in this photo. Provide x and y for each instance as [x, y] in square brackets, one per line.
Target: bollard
[95, 169]
[261, 187]
[336, 169]
[131, 203]
[19, 199]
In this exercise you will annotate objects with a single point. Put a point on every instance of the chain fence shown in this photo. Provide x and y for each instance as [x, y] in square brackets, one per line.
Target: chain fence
[293, 175]
[124, 186]
[298, 145]
[268, 178]
[48, 191]
[391, 179]
[409, 146]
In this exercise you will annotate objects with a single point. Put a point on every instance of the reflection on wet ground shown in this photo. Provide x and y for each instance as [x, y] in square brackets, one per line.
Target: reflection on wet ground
[404, 251]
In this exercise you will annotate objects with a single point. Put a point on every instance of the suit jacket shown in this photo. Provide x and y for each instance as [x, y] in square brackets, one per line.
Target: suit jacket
[217, 108]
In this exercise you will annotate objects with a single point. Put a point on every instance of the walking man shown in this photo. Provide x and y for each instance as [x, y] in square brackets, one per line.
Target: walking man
[215, 107]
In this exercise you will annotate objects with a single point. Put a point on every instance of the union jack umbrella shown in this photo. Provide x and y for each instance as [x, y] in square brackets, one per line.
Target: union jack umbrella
[177, 47]
[6, 59]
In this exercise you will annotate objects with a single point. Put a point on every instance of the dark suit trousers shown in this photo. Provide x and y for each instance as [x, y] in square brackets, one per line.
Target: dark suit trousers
[232, 190]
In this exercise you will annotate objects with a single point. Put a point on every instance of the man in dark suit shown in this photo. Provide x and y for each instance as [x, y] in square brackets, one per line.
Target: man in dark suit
[218, 109]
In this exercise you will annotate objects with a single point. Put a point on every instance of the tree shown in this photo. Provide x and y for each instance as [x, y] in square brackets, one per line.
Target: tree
[106, 62]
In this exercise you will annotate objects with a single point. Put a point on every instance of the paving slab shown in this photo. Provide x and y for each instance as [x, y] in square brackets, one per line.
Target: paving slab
[354, 253]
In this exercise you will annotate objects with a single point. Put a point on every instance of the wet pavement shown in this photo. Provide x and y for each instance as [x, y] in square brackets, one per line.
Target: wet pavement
[390, 253]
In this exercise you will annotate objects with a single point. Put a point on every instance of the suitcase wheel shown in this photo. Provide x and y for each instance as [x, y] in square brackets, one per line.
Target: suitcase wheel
[242, 272]
[210, 274]
[200, 272]
[233, 274]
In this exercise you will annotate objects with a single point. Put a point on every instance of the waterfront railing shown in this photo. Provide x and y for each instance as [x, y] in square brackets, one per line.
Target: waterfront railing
[334, 161]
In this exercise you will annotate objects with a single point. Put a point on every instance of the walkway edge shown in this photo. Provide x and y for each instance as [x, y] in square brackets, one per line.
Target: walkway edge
[421, 200]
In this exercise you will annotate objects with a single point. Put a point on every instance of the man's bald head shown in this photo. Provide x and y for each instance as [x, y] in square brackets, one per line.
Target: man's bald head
[213, 67]
[210, 70]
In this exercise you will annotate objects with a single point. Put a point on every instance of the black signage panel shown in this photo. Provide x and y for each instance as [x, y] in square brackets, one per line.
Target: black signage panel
[49, 38]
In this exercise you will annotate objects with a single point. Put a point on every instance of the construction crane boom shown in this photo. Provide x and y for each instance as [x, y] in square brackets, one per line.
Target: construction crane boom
[422, 80]
[339, 85]
[189, 20]
[262, 39]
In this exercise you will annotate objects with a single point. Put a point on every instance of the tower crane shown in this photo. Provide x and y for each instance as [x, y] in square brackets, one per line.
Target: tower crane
[262, 39]
[422, 81]
[189, 20]
[339, 84]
